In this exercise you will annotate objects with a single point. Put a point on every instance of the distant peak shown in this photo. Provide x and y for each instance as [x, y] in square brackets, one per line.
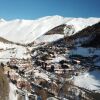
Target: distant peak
[2, 20]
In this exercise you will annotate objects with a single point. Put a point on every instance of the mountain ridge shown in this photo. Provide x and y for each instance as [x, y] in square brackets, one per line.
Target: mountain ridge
[26, 31]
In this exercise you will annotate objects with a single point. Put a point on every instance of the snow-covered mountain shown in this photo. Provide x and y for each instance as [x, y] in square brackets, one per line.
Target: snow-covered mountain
[26, 31]
[74, 59]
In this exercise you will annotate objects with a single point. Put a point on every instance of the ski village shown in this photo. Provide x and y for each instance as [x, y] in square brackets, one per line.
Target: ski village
[51, 58]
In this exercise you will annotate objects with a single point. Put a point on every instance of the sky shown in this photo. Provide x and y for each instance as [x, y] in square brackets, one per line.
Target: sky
[33, 9]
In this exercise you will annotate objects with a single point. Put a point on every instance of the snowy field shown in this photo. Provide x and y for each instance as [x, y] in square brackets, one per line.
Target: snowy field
[11, 50]
[90, 80]
[48, 38]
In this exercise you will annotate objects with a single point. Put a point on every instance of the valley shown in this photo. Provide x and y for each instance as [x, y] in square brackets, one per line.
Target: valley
[57, 62]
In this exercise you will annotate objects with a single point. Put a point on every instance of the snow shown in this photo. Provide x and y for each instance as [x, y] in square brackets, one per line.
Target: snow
[26, 96]
[69, 30]
[26, 31]
[51, 98]
[48, 38]
[11, 50]
[2, 21]
[90, 80]
[85, 51]
[12, 93]
[81, 23]
[41, 75]
[58, 59]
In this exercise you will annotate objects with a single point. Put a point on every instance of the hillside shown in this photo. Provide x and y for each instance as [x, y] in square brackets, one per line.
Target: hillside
[88, 37]
[26, 31]
[51, 58]
[4, 40]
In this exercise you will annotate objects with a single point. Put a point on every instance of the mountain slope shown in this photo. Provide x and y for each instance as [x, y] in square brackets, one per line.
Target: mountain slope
[26, 31]
[77, 61]
[87, 37]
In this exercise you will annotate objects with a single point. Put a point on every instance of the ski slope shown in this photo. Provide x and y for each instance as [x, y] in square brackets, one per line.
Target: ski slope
[26, 31]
